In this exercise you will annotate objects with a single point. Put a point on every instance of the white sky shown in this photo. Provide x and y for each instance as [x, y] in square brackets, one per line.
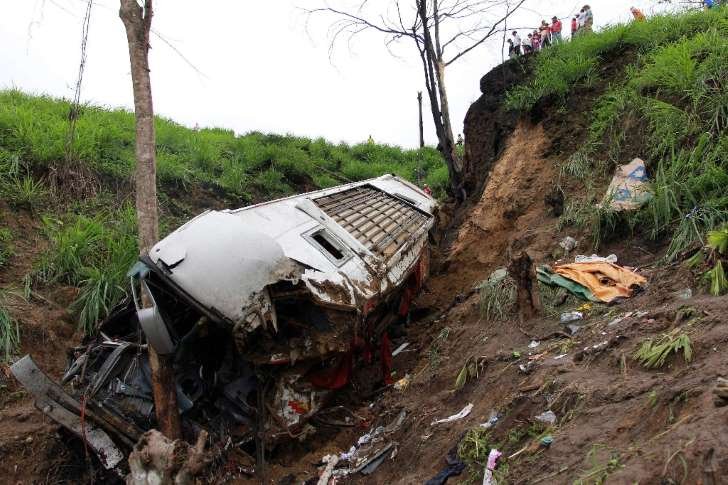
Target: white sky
[261, 69]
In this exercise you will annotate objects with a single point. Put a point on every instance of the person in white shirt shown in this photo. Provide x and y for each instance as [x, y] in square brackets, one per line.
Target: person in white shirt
[517, 43]
[580, 19]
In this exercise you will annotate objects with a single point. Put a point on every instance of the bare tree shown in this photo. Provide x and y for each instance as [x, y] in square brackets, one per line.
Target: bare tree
[443, 32]
[137, 20]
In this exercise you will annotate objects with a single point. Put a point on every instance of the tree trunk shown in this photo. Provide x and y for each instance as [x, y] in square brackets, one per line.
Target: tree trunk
[528, 299]
[449, 144]
[435, 84]
[138, 21]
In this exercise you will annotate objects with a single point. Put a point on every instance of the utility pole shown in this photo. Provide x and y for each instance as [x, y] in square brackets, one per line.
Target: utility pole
[422, 129]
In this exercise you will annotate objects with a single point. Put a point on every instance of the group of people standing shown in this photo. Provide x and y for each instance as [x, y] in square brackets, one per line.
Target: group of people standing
[549, 33]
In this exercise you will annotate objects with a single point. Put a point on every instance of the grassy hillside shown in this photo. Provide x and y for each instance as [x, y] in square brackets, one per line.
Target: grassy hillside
[659, 92]
[91, 242]
[34, 130]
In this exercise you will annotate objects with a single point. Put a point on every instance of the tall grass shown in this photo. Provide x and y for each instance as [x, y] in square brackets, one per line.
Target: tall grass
[33, 129]
[9, 335]
[670, 107]
[93, 254]
[559, 68]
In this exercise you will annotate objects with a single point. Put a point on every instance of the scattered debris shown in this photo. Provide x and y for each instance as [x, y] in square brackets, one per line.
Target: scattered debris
[571, 317]
[685, 294]
[547, 417]
[490, 466]
[453, 468]
[403, 383]
[455, 417]
[594, 258]
[628, 189]
[399, 349]
[619, 319]
[156, 459]
[547, 440]
[331, 461]
[601, 346]
[534, 344]
[370, 450]
[720, 391]
[573, 328]
[526, 368]
[568, 244]
[372, 463]
[492, 420]
[586, 307]
[560, 356]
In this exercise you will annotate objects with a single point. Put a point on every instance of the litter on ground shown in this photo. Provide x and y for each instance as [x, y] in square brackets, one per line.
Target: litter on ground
[568, 244]
[547, 417]
[490, 466]
[571, 317]
[399, 349]
[594, 258]
[628, 189]
[455, 417]
[598, 282]
[492, 420]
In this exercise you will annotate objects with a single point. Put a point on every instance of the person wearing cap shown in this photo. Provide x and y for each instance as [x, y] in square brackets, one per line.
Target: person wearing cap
[555, 30]
[637, 14]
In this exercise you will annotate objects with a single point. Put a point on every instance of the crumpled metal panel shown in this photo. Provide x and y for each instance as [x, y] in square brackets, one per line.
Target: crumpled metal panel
[53, 401]
[227, 263]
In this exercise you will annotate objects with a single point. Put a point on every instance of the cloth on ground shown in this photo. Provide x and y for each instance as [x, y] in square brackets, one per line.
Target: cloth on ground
[454, 468]
[606, 281]
[546, 275]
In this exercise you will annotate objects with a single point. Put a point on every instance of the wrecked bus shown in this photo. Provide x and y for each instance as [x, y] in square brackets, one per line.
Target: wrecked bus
[265, 310]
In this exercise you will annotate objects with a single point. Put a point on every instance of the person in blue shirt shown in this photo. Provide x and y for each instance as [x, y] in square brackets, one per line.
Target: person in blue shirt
[709, 3]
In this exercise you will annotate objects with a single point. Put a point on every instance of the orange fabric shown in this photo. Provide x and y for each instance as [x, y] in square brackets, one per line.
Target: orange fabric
[606, 280]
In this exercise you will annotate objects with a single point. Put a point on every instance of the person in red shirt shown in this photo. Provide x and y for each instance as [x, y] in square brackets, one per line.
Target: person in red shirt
[555, 31]
[574, 27]
[426, 189]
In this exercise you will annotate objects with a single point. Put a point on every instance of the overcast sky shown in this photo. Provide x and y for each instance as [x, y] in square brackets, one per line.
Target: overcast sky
[261, 68]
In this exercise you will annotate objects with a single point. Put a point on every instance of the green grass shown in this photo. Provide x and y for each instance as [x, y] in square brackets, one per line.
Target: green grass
[93, 242]
[93, 254]
[497, 297]
[653, 354]
[9, 331]
[33, 131]
[669, 106]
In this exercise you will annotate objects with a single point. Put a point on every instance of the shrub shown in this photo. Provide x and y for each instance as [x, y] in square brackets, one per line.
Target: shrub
[93, 254]
[653, 353]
